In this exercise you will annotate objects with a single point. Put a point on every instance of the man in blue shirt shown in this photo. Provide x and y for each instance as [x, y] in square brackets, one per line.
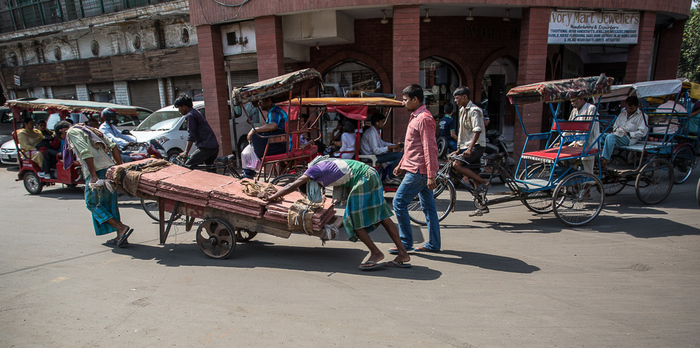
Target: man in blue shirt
[447, 128]
[108, 128]
[275, 123]
[198, 133]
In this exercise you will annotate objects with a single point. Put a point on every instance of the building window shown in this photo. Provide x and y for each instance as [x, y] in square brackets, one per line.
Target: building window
[95, 48]
[438, 79]
[57, 53]
[136, 41]
[12, 59]
[350, 79]
[185, 36]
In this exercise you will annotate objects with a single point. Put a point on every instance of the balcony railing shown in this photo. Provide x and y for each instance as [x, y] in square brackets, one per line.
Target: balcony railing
[24, 14]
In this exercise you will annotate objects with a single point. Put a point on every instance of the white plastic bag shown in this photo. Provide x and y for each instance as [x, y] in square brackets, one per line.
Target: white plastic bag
[249, 159]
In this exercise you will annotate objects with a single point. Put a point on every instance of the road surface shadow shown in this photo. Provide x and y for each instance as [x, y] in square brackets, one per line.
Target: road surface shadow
[486, 261]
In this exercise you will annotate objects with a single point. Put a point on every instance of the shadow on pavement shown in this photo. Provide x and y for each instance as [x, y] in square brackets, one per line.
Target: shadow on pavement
[269, 255]
[486, 261]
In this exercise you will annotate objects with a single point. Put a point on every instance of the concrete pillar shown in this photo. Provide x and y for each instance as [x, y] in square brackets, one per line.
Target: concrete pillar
[211, 61]
[121, 93]
[670, 51]
[639, 56]
[406, 59]
[531, 69]
[82, 92]
[269, 45]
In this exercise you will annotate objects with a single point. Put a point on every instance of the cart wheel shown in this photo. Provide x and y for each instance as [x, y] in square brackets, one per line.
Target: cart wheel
[445, 197]
[243, 235]
[285, 179]
[151, 209]
[539, 202]
[697, 192]
[32, 183]
[578, 198]
[654, 181]
[614, 184]
[216, 238]
[683, 162]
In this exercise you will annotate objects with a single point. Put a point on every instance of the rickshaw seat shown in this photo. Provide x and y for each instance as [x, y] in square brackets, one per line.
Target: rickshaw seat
[572, 126]
[302, 152]
[550, 155]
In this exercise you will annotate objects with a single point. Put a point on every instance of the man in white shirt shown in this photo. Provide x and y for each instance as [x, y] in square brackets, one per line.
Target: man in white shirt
[630, 126]
[471, 139]
[386, 152]
[581, 111]
[109, 119]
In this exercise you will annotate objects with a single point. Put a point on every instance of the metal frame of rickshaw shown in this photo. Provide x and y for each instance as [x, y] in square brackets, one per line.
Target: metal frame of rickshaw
[323, 103]
[293, 83]
[28, 170]
[554, 173]
[658, 150]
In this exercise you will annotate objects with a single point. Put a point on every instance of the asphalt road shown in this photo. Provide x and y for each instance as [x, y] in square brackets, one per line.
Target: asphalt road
[511, 278]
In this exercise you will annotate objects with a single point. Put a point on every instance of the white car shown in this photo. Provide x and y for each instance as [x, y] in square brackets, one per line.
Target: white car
[8, 153]
[168, 127]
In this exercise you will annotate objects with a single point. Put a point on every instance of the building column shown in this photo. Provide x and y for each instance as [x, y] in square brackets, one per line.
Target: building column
[213, 74]
[532, 62]
[406, 60]
[121, 93]
[269, 46]
[639, 56]
[670, 51]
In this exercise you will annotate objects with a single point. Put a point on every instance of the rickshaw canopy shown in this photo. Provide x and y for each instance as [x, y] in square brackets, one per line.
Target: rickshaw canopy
[352, 108]
[561, 90]
[646, 89]
[70, 105]
[274, 86]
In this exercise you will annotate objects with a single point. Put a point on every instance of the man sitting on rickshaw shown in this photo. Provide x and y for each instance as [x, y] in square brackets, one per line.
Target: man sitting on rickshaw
[385, 152]
[630, 126]
[275, 124]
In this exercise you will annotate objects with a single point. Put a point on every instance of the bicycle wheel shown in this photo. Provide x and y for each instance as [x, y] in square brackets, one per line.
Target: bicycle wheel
[697, 192]
[151, 209]
[613, 184]
[682, 161]
[539, 202]
[578, 198]
[445, 197]
[654, 181]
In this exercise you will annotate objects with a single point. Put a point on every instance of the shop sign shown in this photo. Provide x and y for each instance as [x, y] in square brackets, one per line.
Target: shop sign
[593, 28]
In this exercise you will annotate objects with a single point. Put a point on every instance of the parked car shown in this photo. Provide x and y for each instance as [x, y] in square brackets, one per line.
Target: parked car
[169, 128]
[125, 121]
[8, 153]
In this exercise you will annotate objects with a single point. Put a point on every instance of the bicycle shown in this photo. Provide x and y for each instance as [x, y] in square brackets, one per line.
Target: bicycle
[448, 178]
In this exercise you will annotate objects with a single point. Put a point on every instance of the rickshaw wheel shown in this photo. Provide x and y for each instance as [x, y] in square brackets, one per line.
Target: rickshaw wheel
[697, 192]
[216, 238]
[613, 185]
[243, 235]
[445, 197]
[151, 209]
[32, 183]
[442, 147]
[683, 162]
[654, 181]
[578, 198]
[541, 203]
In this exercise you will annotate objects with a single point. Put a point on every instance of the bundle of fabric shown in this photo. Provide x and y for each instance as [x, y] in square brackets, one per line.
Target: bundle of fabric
[192, 187]
[299, 214]
[129, 175]
[231, 198]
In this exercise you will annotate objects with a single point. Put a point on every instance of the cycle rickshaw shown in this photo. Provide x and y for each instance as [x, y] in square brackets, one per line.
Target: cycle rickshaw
[550, 179]
[281, 88]
[667, 155]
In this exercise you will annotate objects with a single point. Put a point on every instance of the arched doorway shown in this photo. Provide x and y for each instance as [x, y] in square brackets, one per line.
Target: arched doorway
[498, 78]
[438, 79]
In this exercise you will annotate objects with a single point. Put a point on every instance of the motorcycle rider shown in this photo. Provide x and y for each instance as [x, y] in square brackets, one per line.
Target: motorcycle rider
[108, 117]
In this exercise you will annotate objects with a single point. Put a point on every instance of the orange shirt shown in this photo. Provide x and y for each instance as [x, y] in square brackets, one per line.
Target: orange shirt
[420, 149]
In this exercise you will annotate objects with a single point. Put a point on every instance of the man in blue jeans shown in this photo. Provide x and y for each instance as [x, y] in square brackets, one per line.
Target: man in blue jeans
[420, 163]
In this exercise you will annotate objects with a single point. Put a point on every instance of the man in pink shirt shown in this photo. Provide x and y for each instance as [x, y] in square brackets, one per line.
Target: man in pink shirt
[420, 163]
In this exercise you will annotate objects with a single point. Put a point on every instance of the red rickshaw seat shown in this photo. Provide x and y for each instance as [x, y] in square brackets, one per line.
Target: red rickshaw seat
[550, 155]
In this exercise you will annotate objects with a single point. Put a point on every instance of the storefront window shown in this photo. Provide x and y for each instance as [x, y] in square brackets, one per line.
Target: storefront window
[350, 79]
[438, 79]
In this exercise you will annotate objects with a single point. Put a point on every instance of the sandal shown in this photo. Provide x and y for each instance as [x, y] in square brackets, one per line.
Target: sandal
[113, 242]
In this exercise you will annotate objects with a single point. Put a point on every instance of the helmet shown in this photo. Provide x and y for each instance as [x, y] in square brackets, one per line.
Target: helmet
[109, 115]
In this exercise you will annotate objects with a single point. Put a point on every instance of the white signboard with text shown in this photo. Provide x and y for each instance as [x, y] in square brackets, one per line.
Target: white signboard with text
[593, 28]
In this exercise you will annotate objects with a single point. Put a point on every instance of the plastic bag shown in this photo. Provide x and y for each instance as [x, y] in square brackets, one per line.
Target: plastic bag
[249, 159]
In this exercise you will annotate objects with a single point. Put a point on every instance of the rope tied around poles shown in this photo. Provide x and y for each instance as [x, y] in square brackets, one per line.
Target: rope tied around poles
[254, 189]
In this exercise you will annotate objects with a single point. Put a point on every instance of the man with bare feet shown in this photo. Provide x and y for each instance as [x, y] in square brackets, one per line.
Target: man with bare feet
[92, 149]
[365, 210]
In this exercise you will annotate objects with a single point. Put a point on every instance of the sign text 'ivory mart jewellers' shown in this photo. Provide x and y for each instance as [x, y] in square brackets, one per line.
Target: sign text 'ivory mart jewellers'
[593, 28]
